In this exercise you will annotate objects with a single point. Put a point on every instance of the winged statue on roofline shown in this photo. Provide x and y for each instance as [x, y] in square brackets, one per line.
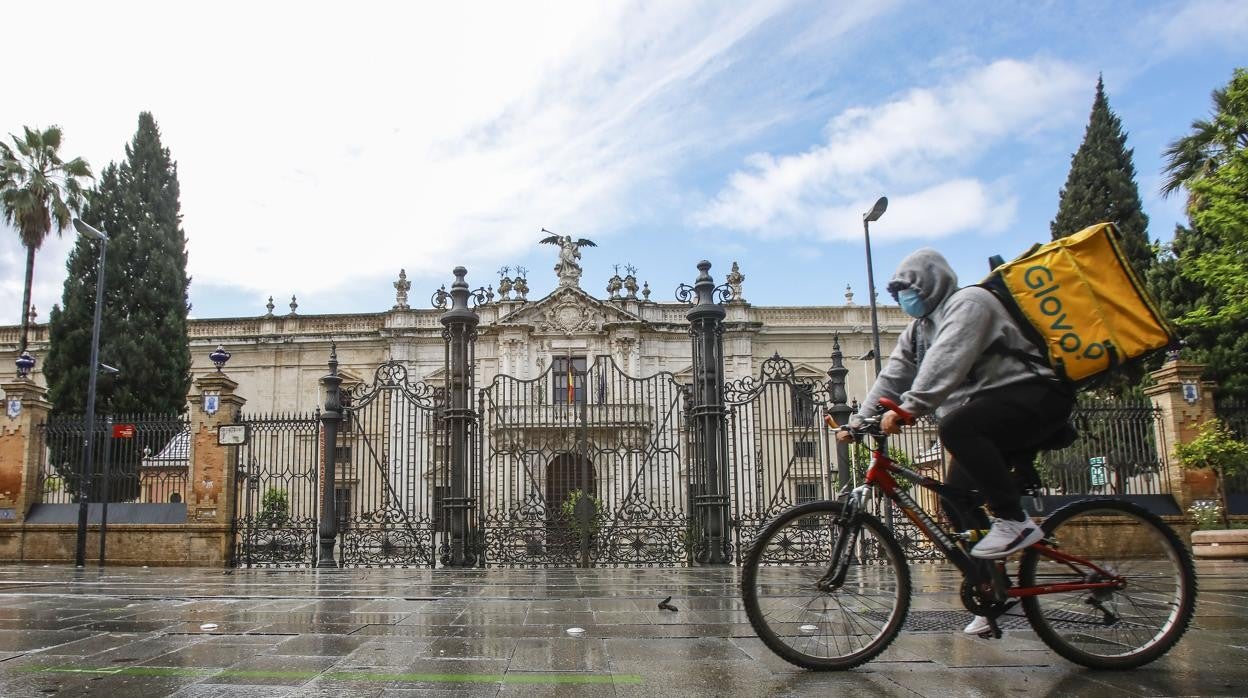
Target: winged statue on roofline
[568, 267]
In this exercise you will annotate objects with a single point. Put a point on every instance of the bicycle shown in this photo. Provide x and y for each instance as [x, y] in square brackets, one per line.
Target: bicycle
[827, 587]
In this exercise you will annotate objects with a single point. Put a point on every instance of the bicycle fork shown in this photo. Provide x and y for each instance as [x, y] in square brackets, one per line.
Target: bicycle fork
[844, 539]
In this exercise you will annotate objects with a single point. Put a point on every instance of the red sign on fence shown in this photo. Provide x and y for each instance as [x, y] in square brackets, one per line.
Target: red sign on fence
[123, 431]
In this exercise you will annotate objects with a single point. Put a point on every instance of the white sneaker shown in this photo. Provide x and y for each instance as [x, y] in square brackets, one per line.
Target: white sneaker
[977, 626]
[1006, 537]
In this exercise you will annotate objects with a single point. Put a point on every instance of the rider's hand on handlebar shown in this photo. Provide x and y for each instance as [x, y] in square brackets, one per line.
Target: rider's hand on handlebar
[892, 422]
[844, 435]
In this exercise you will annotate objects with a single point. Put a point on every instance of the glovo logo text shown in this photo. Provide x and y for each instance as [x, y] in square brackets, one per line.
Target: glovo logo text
[1046, 293]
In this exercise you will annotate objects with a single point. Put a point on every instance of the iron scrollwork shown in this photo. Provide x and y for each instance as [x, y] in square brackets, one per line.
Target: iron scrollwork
[722, 293]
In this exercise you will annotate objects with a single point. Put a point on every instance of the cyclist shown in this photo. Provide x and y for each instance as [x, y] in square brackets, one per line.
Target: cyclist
[963, 359]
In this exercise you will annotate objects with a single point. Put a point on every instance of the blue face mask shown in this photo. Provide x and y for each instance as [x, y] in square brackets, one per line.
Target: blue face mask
[912, 303]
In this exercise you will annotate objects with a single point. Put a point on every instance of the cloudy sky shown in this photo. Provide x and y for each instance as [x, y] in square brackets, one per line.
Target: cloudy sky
[321, 147]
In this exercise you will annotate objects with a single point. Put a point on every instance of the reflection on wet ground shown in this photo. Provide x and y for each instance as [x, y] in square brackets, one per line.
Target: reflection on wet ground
[400, 632]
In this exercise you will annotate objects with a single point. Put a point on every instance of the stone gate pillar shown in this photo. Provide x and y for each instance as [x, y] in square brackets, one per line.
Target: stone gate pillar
[459, 324]
[710, 455]
[1185, 401]
[26, 408]
[210, 466]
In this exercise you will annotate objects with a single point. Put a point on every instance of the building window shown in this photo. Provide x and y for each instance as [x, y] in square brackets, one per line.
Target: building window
[807, 491]
[803, 406]
[568, 378]
[342, 454]
[804, 449]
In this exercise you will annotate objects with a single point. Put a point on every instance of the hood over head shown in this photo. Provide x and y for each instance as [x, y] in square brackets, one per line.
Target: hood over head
[926, 271]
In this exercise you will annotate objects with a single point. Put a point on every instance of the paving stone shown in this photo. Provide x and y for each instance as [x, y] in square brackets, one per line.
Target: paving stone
[420, 632]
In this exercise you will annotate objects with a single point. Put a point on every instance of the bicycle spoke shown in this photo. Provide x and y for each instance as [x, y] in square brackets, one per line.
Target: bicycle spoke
[837, 628]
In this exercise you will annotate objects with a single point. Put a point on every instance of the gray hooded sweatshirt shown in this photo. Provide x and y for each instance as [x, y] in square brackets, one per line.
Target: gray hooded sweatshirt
[941, 360]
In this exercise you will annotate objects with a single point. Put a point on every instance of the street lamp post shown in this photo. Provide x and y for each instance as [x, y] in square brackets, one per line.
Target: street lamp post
[874, 214]
[89, 442]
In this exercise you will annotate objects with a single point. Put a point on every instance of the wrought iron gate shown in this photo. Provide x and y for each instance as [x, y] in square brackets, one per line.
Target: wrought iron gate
[583, 465]
[781, 451]
[277, 477]
[390, 472]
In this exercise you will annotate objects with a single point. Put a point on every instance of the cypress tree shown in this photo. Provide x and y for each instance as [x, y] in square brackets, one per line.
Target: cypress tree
[144, 316]
[1101, 185]
[143, 331]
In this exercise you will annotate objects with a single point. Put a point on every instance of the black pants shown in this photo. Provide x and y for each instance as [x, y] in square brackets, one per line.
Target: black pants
[986, 434]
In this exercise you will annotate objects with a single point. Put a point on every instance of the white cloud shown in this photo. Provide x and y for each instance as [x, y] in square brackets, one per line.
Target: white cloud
[319, 144]
[1199, 23]
[911, 144]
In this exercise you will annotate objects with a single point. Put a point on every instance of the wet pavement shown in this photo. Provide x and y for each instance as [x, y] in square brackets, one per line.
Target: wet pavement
[394, 632]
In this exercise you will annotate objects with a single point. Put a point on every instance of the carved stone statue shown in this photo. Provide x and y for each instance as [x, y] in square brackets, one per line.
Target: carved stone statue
[568, 268]
[735, 279]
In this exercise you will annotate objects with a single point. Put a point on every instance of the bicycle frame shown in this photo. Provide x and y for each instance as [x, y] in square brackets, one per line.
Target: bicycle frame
[880, 476]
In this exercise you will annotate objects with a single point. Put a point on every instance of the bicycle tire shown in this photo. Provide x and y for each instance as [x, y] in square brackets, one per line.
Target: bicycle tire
[792, 618]
[1135, 625]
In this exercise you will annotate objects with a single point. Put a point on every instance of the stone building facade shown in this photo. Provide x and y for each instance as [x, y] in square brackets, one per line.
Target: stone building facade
[278, 359]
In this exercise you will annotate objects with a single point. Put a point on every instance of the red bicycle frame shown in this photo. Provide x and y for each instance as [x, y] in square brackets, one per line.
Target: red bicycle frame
[880, 475]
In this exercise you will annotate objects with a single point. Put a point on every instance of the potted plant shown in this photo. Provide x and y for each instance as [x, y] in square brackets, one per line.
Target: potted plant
[1215, 448]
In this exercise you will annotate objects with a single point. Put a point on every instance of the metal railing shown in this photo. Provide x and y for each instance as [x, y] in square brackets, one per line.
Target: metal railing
[140, 458]
[1235, 414]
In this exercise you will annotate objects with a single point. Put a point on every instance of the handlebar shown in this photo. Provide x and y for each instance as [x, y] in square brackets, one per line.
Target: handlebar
[870, 426]
[906, 418]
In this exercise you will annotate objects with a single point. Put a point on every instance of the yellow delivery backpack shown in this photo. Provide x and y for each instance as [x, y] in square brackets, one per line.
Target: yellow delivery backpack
[1081, 302]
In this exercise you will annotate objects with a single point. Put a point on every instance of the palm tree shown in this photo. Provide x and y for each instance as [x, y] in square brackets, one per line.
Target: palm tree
[1211, 142]
[38, 189]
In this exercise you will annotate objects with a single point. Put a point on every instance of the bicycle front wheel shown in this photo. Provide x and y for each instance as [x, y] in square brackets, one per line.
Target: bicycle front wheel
[1113, 628]
[801, 617]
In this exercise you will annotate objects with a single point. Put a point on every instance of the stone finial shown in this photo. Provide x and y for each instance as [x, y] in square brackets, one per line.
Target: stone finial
[630, 282]
[401, 287]
[269, 307]
[521, 284]
[849, 295]
[504, 284]
[615, 283]
[33, 314]
[294, 305]
[645, 291]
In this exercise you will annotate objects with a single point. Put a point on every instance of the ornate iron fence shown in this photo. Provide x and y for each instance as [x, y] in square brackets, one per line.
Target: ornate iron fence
[276, 507]
[1116, 452]
[140, 458]
[583, 465]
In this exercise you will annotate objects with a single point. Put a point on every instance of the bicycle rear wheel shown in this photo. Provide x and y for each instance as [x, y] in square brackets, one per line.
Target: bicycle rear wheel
[1118, 628]
[843, 626]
